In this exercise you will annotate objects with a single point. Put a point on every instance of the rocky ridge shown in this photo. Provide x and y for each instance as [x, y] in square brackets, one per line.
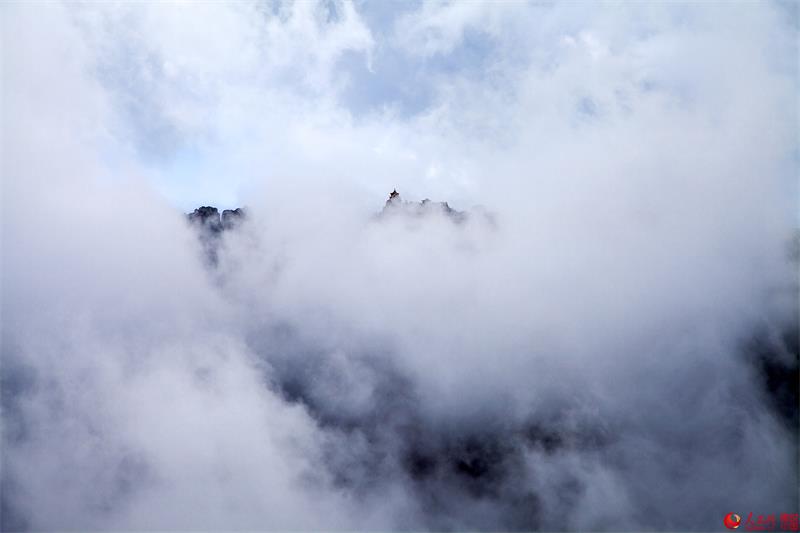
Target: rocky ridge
[209, 218]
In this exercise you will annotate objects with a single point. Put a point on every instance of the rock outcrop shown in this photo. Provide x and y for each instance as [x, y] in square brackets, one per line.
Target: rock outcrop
[395, 206]
[231, 218]
[206, 217]
[210, 226]
[209, 218]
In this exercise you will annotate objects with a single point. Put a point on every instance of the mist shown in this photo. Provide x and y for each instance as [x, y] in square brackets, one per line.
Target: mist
[607, 340]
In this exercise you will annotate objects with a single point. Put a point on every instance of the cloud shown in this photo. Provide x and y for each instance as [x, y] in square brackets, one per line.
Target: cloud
[585, 362]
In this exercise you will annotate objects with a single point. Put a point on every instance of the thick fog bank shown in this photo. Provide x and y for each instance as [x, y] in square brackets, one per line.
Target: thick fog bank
[610, 343]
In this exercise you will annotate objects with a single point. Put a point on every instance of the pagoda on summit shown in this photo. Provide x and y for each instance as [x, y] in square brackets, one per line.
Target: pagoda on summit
[394, 198]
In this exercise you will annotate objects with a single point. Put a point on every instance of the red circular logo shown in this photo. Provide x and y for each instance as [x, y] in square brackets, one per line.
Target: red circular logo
[732, 520]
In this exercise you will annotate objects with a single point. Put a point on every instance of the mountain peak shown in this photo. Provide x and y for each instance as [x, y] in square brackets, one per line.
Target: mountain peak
[395, 204]
[209, 218]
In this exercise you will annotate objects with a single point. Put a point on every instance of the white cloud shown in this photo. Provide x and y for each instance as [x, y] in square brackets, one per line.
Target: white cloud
[641, 164]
